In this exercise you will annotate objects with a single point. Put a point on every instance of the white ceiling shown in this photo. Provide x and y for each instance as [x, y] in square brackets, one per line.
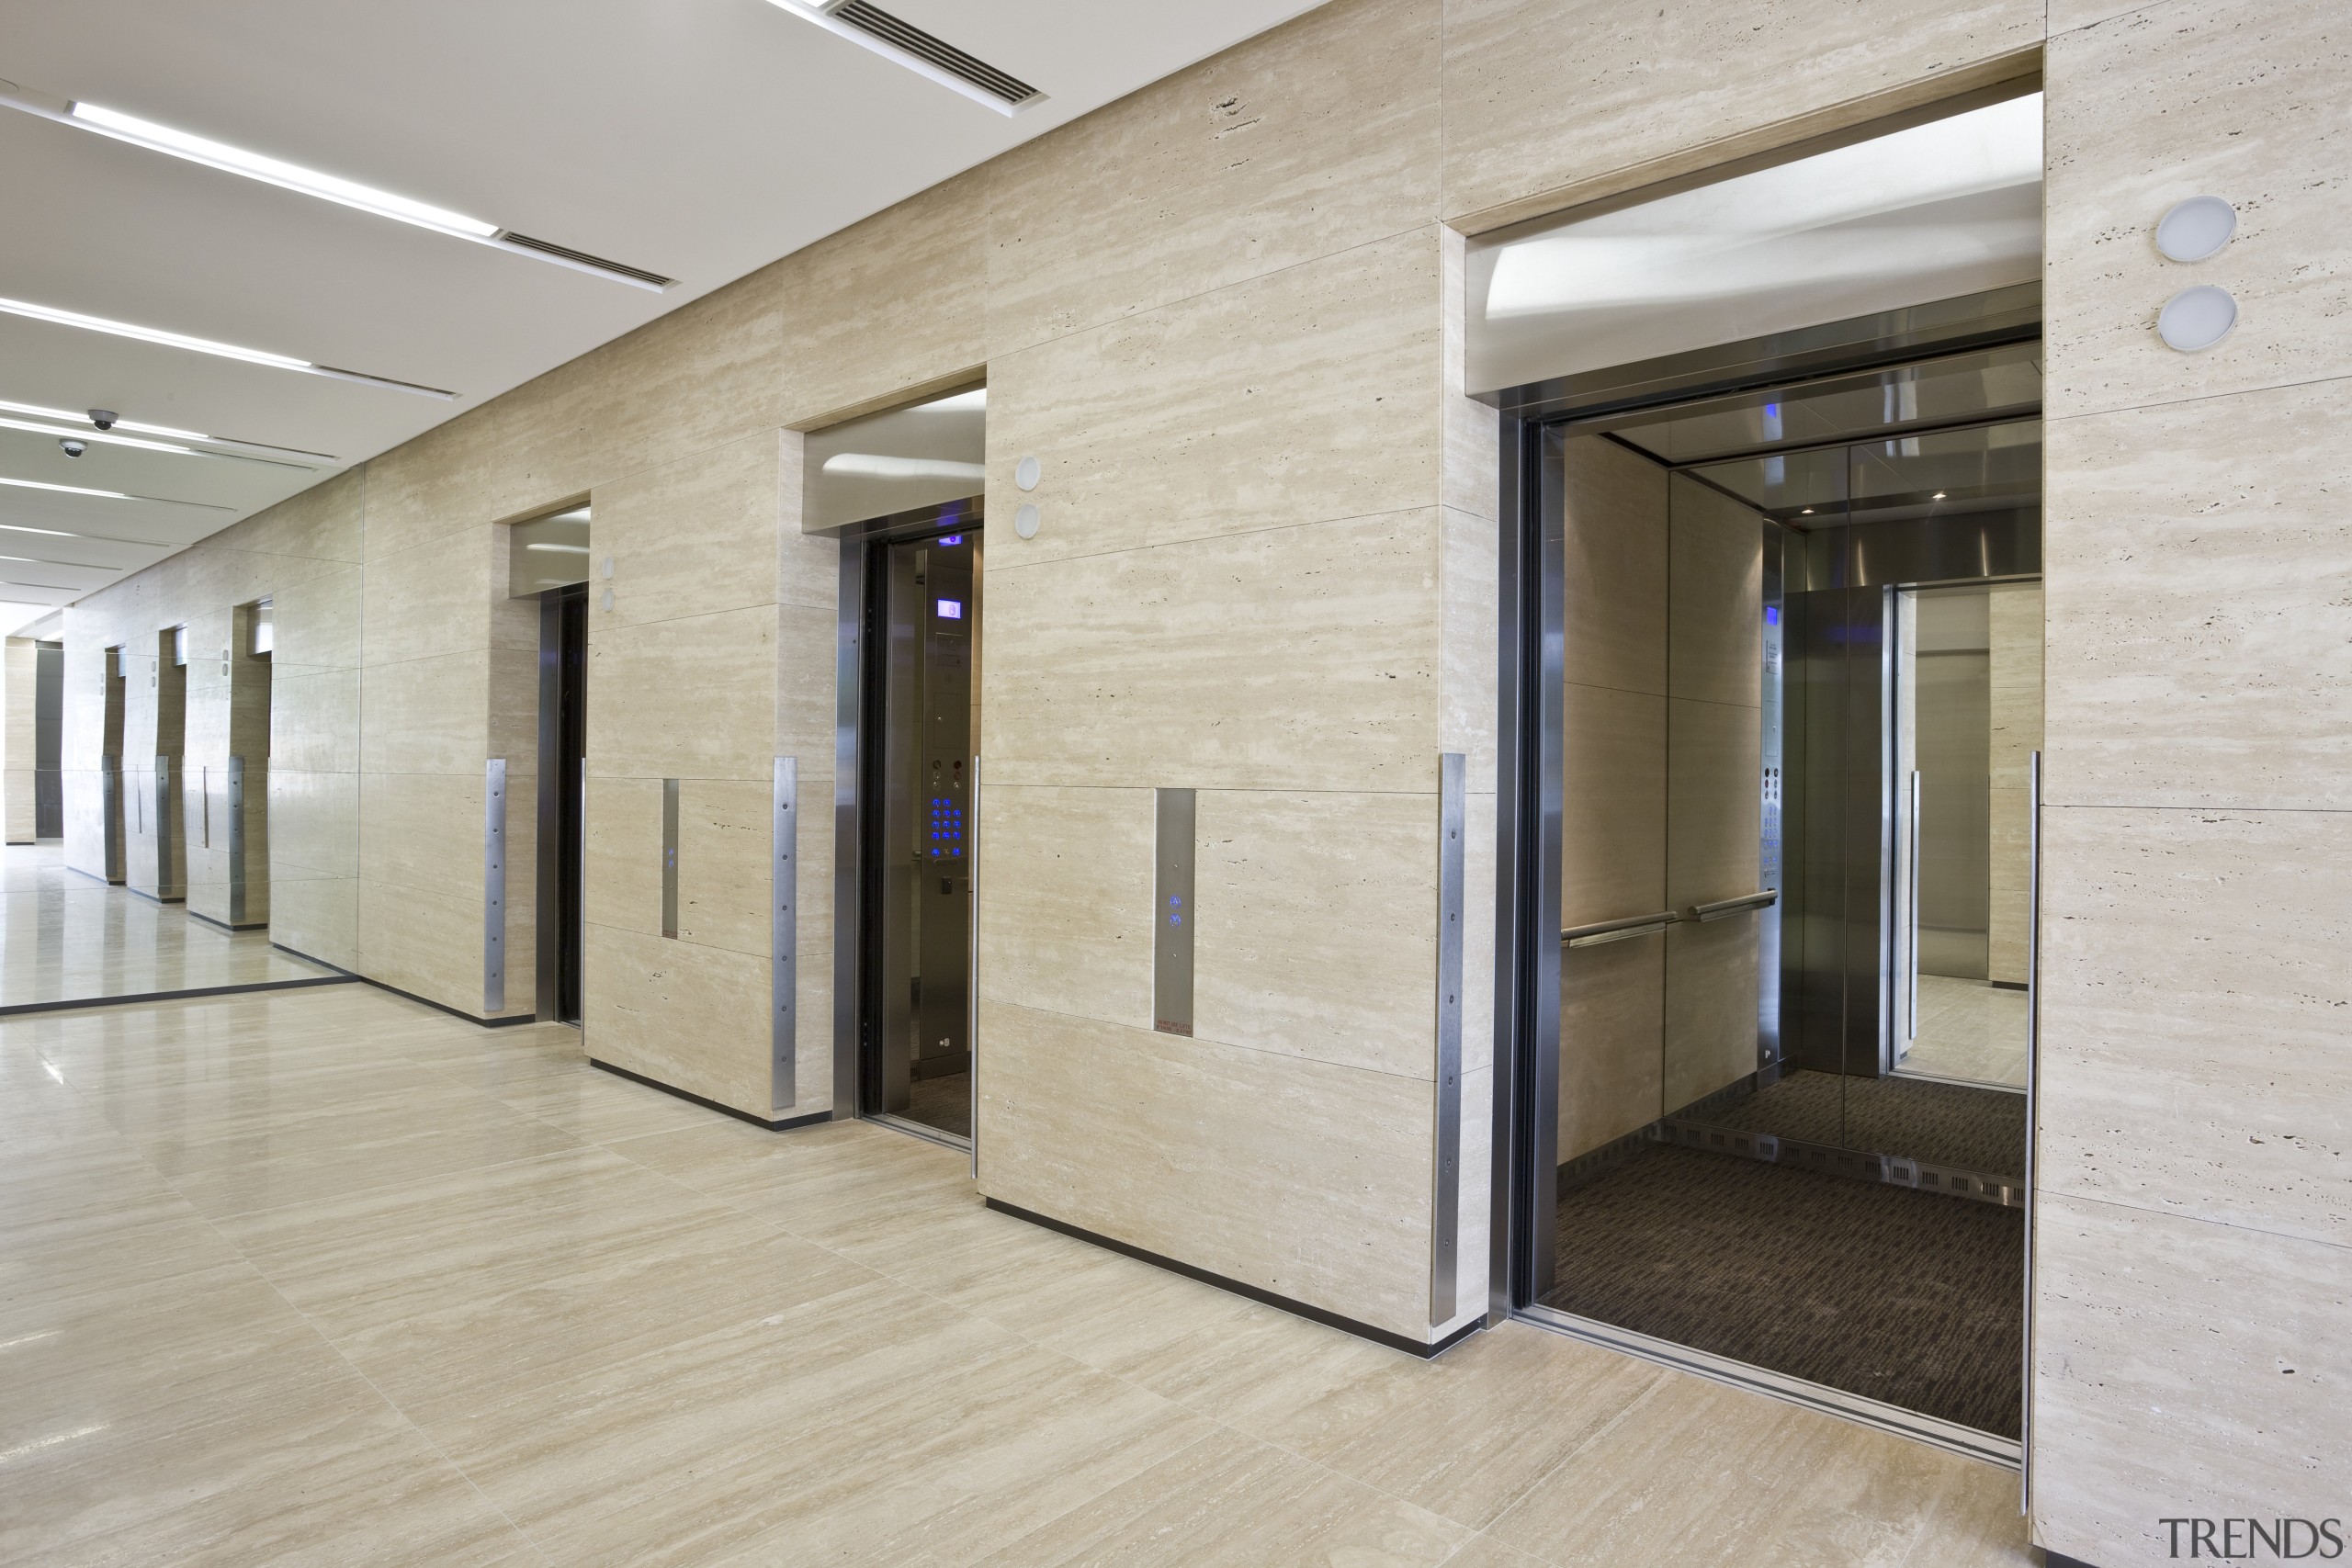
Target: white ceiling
[697, 138]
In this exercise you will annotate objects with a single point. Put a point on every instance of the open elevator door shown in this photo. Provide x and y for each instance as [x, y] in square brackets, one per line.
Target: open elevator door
[923, 615]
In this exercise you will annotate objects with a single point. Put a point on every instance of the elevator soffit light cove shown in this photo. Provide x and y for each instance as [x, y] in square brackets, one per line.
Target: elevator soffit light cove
[896, 39]
[178, 144]
[1936, 210]
[50, 313]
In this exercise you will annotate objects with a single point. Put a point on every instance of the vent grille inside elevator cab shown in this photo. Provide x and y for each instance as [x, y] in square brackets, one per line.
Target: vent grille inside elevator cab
[900, 34]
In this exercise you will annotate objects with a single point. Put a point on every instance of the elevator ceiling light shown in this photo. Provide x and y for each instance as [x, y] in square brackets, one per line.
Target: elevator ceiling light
[206, 346]
[2196, 318]
[2196, 229]
[260, 167]
[881, 466]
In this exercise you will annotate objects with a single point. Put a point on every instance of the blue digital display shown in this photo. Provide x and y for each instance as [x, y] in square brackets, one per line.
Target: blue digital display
[1771, 614]
[953, 539]
[951, 609]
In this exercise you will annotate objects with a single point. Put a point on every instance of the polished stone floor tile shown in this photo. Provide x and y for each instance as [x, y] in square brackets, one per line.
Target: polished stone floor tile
[1231, 1502]
[1969, 1030]
[326, 1277]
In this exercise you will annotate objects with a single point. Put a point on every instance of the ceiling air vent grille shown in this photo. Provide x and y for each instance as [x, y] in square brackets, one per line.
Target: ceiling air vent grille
[880, 24]
[582, 260]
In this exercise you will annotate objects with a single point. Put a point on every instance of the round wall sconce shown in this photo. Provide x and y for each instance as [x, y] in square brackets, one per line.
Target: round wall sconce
[1025, 473]
[2196, 319]
[1024, 521]
[2196, 228]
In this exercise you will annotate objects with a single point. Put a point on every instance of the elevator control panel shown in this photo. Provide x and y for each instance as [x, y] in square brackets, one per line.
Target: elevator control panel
[946, 827]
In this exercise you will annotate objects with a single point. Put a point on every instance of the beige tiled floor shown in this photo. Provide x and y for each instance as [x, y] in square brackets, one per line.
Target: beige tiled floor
[324, 1277]
[67, 937]
[1970, 1030]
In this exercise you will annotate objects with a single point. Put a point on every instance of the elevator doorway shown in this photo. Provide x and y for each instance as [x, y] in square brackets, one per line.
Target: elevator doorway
[1756, 617]
[920, 762]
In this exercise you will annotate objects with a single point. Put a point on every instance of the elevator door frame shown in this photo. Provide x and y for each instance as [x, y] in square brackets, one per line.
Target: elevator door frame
[1529, 818]
[560, 806]
[854, 762]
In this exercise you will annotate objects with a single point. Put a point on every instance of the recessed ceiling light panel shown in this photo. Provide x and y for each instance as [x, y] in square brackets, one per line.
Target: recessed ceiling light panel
[206, 346]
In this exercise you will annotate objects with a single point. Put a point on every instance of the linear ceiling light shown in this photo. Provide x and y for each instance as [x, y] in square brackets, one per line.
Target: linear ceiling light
[157, 138]
[206, 346]
[103, 495]
[100, 435]
[69, 417]
[275, 171]
[893, 38]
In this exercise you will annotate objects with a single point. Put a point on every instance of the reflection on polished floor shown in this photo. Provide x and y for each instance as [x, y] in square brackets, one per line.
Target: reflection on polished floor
[68, 937]
[324, 1276]
[1969, 1030]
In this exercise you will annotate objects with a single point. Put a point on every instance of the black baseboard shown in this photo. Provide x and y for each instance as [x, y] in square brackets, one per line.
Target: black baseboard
[780, 1124]
[2060, 1560]
[1267, 1298]
[144, 998]
[475, 1018]
[151, 897]
[233, 929]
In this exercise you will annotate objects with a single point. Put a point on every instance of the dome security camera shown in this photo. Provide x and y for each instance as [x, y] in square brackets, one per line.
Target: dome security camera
[103, 418]
[73, 448]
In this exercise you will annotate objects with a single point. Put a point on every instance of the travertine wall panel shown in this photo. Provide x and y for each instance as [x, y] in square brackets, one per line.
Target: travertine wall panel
[1070, 921]
[1296, 397]
[1315, 921]
[1291, 658]
[1320, 138]
[1547, 97]
[2201, 602]
[2170, 101]
[1297, 1177]
[2015, 616]
[2181, 1369]
[2197, 1058]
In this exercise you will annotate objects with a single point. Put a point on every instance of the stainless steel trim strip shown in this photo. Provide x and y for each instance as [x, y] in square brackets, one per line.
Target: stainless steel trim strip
[1173, 912]
[236, 808]
[1618, 930]
[670, 857]
[783, 1070]
[2032, 1102]
[972, 986]
[1724, 908]
[1445, 1217]
[164, 889]
[493, 885]
[1862, 1408]
[1911, 1024]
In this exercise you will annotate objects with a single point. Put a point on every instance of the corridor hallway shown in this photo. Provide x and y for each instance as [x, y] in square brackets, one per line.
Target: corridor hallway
[324, 1276]
[68, 937]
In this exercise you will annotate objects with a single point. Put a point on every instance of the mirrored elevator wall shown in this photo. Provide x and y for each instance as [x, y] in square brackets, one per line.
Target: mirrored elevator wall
[1665, 597]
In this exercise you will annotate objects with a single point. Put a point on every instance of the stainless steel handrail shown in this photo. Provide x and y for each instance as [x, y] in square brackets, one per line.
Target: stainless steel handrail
[1911, 1022]
[1723, 908]
[1618, 930]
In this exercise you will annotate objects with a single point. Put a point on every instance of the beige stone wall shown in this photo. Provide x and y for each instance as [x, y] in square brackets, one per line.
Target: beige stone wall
[18, 672]
[2194, 1241]
[2014, 669]
[1224, 314]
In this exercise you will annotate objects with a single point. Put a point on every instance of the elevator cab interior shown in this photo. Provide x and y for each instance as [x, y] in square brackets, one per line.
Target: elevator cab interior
[550, 566]
[924, 616]
[1799, 696]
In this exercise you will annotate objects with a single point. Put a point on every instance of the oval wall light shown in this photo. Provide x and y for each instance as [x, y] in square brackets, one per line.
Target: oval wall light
[1024, 521]
[1026, 472]
[2196, 229]
[2197, 318]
